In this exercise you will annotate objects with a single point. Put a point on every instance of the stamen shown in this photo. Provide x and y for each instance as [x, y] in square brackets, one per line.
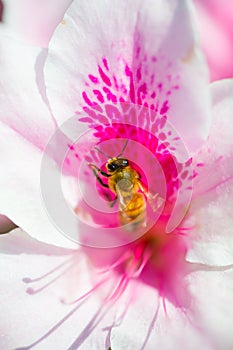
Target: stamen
[146, 257]
[152, 325]
[63, 301]
[120, 288]
[35, 291]
[205, 267]
[121, 260]
[32, 280]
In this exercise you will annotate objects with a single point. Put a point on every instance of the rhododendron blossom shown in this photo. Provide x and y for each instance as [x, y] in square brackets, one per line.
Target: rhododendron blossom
[120, 82]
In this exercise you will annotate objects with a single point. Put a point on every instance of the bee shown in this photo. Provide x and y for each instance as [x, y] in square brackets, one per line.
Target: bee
[125, 183]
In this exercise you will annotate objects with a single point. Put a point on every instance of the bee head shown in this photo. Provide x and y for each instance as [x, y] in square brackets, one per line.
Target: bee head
[116, 163]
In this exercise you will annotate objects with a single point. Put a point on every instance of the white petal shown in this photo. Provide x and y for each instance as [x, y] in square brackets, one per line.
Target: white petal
[211, 209]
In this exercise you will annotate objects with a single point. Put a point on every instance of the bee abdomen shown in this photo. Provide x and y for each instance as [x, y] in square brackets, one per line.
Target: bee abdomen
[134, 212]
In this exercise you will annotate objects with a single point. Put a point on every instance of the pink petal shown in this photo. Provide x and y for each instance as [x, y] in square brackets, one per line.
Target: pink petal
[215, 18]
[35, 20]
[141, 60]
[211, 209]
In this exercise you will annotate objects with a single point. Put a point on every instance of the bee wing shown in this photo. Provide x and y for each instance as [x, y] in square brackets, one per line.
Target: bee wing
[155, 200]
[124, 190]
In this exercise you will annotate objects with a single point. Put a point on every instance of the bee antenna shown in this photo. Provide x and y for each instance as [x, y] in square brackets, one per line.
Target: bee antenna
[105, 154]
[123, 149]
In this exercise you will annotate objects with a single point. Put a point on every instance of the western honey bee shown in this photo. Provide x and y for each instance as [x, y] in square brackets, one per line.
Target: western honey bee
[125, 183]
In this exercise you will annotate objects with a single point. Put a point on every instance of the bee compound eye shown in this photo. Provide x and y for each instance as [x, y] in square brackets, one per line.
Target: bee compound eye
[111, 167]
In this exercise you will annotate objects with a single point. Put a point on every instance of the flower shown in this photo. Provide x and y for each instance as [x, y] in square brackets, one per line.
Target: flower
[168, 285]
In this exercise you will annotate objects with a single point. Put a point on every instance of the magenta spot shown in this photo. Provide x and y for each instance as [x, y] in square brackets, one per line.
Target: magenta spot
[153, 95]
[153, 58]
[76, 156]
[71, 147]
[189, 162]
[86, 120]
[97, 107]
[93, 79]
[161, 147]
[139, 74]
[86, 99]
[67, 161]
[131, 90]
[113, 112]
[162, 122]
[121, 99]
[200, 164]
[176, 87]
[195, 174]
[128, 71]
[104, 77]
[138, 49]
[115, 82]
[110, 95]
[99, 95]
[184, 174]
[160, 85]
[162, 136]
[102, 119]
[164, 108]
[90, 112]
[105, 62]
[142, 90]
[152, 78]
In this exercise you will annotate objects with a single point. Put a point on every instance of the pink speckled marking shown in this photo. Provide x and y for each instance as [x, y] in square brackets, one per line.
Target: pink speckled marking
[112, 96]
[104, 77]
[93, 79]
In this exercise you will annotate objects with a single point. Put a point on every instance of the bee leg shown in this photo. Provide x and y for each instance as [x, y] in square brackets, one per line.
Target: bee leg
[98, 170]
[99, 179]
[113, 202]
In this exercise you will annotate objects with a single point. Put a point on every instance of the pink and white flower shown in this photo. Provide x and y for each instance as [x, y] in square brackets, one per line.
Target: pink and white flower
[110, 65]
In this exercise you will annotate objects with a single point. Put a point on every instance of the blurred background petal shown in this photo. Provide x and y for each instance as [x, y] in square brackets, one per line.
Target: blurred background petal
[35, 20]
[215, 18]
